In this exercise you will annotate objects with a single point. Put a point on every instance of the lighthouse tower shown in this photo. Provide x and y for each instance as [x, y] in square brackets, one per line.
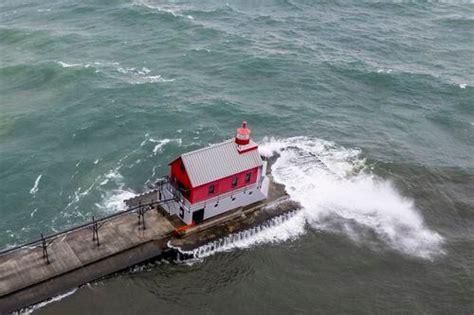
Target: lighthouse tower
[242, 139]
[242, 136]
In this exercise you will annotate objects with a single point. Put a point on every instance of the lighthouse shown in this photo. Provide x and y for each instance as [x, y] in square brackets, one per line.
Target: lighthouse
[214, 180]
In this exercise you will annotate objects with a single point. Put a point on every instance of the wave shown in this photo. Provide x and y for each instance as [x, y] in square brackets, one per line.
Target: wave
[140, 76]
[35, 187]
[388, 71]
[68, 65]
[366, 70]
[160, 143]
[288, 226]
[340, 194]
[30, 309]
[113, 192]
[456, 21]
[167, 9]
[112, 184]
[114, 70]
[114, 200]
[95, 64]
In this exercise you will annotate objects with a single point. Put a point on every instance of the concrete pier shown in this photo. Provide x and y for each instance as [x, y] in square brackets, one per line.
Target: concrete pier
[75, 258]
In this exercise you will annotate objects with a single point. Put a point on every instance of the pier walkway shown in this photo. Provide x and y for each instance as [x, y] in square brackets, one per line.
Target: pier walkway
[50, 266]
[30, 266]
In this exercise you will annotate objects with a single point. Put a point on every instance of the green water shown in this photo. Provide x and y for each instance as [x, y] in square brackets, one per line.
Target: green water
[97, 96]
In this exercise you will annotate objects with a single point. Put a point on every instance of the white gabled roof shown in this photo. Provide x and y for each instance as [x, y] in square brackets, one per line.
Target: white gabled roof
[218, 161]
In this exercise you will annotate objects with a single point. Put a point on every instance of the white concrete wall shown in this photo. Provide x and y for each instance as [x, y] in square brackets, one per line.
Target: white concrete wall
[219, 205]
[238, 200]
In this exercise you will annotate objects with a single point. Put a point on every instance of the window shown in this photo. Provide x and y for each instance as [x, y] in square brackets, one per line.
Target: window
[247, 177]
[181, 167]
[234, 181]
[212, 189]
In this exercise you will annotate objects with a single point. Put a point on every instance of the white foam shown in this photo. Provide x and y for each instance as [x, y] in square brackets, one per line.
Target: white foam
[68, 65]
[140, 76]
[149, 79]
[113, 200]
[130, 75]
[336, 188]
[462, 85]
[31, 309]
[161, 143]
[276, 230]
[171, 9]
[388, 71]
[35, 188]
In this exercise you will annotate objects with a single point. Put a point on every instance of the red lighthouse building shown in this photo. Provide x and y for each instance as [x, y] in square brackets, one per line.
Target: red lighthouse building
[216, 179]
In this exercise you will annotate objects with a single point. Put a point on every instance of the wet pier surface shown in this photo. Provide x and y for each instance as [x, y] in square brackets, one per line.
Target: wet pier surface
[27, 268]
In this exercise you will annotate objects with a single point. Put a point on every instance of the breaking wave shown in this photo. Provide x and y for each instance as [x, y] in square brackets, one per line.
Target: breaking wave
[30, 309]
[285, 227]
[339, 193]
[35, 187]
[114, 70]
[140, 76]
[173, 10]
[113, 200]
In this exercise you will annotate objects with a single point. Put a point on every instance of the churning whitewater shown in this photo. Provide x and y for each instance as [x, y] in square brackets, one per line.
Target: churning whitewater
[98, 96]
[339, 194]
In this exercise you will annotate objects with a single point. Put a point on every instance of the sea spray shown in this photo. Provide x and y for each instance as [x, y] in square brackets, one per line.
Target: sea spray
[278, 229]
[335, 184]
[336, 189]
[113, 200]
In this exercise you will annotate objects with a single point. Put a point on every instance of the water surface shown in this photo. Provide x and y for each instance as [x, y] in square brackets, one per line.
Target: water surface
[98, 96]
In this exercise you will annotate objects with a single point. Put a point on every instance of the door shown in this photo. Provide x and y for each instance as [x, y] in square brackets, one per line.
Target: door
[198, 215]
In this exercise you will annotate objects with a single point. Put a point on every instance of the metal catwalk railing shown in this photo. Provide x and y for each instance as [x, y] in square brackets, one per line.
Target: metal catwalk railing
[95, 225]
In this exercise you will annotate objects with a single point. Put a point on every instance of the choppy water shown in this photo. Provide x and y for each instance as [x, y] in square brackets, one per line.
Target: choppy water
[370, 106]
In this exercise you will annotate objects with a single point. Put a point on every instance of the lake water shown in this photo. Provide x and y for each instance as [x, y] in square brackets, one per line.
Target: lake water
[96, 97]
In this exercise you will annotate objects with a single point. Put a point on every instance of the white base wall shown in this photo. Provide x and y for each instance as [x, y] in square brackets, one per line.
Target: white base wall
[243, 199]
[220, 204]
